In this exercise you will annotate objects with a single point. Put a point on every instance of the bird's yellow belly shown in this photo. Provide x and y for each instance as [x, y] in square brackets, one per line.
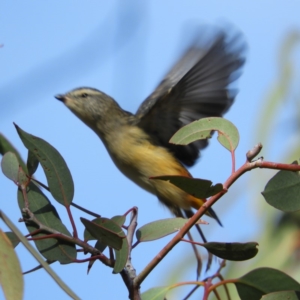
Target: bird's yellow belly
[139, 160]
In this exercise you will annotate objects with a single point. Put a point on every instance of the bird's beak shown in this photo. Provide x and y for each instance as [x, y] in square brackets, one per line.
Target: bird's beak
[60, 97]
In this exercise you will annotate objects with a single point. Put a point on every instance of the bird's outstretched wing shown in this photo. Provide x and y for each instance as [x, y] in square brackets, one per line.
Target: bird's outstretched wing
[196, 87]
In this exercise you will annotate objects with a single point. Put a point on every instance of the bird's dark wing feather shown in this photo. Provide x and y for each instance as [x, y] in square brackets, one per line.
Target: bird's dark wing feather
[196, 87]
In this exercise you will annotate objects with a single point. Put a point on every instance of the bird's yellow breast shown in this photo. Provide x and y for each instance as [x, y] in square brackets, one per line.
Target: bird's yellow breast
[137, 158]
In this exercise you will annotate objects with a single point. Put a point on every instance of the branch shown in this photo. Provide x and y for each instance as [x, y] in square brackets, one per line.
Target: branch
[129, 272]
[248, 166]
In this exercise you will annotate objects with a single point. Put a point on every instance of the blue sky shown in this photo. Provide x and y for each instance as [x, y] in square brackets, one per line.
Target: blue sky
[124, 49]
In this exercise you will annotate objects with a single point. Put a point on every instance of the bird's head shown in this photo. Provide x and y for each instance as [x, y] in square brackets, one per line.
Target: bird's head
[90, 105]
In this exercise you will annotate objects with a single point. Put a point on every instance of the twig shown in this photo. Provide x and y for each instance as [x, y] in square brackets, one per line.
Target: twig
[129, 273]
[248, 166]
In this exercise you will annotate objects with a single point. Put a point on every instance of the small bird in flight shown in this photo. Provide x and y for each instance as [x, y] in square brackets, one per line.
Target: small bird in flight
[197, 86]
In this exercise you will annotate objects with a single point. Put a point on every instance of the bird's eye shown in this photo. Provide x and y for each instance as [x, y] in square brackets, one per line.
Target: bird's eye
[84, 95]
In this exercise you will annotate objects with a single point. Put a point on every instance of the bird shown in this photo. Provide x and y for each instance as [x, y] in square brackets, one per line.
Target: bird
[199, 85]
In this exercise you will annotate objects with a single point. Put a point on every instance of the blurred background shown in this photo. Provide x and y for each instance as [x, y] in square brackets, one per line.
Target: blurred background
[124, 48]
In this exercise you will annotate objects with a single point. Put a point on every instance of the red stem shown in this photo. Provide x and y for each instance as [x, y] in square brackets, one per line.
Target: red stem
[75, 234]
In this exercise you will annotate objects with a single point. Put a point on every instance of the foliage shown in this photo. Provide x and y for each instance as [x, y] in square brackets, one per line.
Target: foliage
[55, 243]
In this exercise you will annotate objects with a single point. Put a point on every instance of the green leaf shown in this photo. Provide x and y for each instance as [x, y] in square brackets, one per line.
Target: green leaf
[158, 229]
[120, 220]
[36, 255]
[121, 257]
[228, 134]
[199, 188]
[11, 278]
[157, 293]
[58, 176]
[13, 238]
[32, 163]
[285, 295]
[51, 248]
[6, 146]
[259, 282]
[232, 251]
[283, 191]
[10, 166]
[100, 246]
[192, 132]
[104, 230]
